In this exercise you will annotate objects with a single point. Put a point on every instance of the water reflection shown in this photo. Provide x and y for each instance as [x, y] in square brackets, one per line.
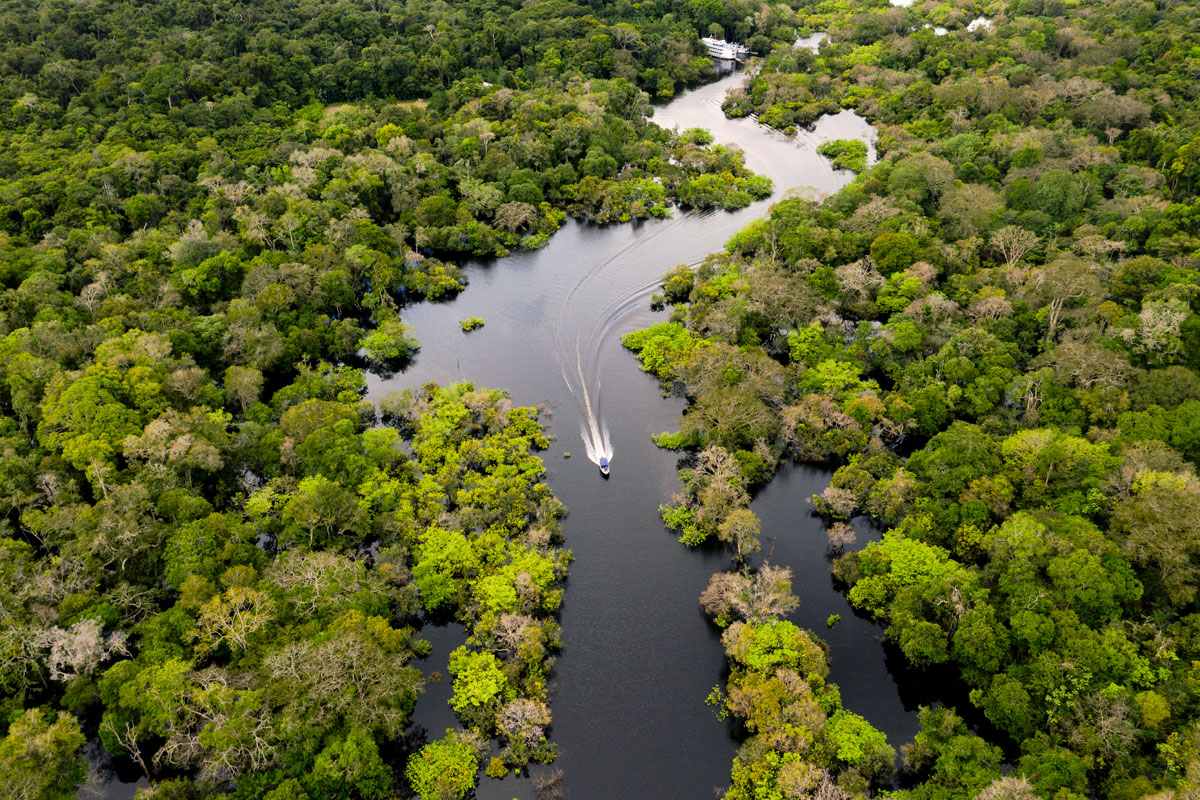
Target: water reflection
[812, 42]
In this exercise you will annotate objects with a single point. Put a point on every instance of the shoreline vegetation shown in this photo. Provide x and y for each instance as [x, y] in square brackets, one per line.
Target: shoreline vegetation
[211, 219]
[993, 334]
[215, 553]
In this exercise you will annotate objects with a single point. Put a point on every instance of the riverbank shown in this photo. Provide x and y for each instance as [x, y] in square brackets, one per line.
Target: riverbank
[638, 656]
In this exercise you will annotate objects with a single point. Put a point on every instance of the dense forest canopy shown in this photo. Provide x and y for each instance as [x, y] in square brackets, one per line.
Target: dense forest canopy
[211, 219]
[216, 554]
[994, 335]
[168, 54]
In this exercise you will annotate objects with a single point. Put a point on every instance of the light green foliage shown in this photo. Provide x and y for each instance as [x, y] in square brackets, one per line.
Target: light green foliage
[497, 593]
[809, 345]
[445, 559]
[760, 779]
[766, 647]
[838, 378]
[893, 564]
[848, 154]
[443, 770]
[672, 440]
[87, 421]
[663, 349]
[682, 519]
[1047, 464]
[471, 323]
[854, 739]
[478, 680]
[390, 341]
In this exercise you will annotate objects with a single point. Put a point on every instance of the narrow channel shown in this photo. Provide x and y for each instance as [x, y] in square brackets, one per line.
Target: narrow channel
[638, 656]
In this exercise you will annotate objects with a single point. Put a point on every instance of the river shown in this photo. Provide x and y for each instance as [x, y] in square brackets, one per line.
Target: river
[638, 656]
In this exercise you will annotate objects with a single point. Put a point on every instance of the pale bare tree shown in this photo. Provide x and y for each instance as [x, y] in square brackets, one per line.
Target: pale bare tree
[1014, 243]
[859, 280]
[1085, 364]
[231, 618]
[511, 631]
[124, 733]
[524, 720]
[515, 216]
[357, 675]
[741, 529]
[755, 597]
[318, 582]
[625, 36]
[801, 779]
[80, 649]
[838, 502]
[21, 651]
[840, 536]
[1063, 281]
[1097, 247]
[1159, 326]
[1009, 787]
[187, 384]
[220, 728]
[93, 294]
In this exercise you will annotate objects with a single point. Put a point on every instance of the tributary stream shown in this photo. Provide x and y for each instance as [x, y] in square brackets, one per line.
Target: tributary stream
[638, 656]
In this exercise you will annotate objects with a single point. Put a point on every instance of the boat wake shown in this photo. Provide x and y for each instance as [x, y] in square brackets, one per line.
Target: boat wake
[594, 310]
[589, 318]
[592, 427]
[595, 439]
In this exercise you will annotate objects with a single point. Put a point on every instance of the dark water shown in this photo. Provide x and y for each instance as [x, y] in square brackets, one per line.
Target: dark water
[638, 656]
[873, 679]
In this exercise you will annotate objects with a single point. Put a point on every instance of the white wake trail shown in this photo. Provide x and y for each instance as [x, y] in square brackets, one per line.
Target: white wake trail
[593, 428]
[593, 431]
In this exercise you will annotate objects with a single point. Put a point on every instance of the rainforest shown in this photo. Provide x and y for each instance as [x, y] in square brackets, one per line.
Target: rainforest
[891, 334]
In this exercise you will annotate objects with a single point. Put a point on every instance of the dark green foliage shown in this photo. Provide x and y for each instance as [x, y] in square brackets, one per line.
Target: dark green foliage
[991, 300]
[208, 217]
[203, 208]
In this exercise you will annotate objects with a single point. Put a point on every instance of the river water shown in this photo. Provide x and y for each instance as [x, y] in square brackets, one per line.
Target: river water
[638, 656]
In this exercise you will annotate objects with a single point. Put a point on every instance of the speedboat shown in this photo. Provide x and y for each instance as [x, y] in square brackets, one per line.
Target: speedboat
[603, 465]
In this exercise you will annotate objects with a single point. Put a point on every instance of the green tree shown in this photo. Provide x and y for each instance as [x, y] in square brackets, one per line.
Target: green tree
[350, 767]
[40, 760]
[857, 743]
[443, 770]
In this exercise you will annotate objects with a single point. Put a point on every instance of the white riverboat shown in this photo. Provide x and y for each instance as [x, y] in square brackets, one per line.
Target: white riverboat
[726, 51]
